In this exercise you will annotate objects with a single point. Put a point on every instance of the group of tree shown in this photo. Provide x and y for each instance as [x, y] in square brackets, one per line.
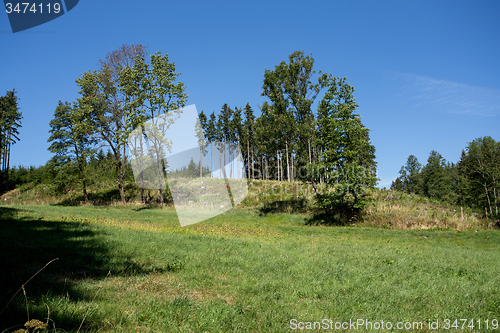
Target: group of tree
[123, 94]
[289, 141]
[58, 179]
[288, 137]
[10, 122]
[473, 181]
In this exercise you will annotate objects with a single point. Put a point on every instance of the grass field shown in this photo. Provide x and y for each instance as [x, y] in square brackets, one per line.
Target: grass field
[133, 269]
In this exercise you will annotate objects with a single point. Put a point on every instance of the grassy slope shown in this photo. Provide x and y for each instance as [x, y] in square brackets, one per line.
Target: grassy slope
[241, 271]
[401, 212]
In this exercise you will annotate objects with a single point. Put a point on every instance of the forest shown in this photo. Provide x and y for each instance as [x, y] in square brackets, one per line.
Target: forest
[472, 182]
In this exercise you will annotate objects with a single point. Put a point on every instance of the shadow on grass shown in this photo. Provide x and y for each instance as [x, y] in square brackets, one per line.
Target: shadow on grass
[327, 219]
[338, 217]
[101, 198]
[149, 206]
[109, 196]
[299, 205]
[28, 243]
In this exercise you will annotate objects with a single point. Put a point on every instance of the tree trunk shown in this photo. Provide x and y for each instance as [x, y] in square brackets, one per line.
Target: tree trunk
[3, 152]
[253, 166]
[119, 175]
[487, 195]
[495, 196]
[161, 180]
[141, 168]
[281, 166]
[82, 176]
[7, 169]
[262, 166]
[485, 186]
[143, 198]
[277, 166]
[287, 162]
[267, 170]
[495, 193]
[248, 155]
[85, 196]
[201, 159]
[309, 149]
[224, 166]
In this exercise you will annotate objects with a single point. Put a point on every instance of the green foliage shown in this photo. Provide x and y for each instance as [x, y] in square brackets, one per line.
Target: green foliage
[159, 94]
[292, 89]
[397, 185]
[28, 177]
[409, 176]
[434, 181]
[480, 168]
[347, 163]
[122, 95]
[72, 143]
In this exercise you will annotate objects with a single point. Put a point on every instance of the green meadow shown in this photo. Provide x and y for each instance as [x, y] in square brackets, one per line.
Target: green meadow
[134, 269]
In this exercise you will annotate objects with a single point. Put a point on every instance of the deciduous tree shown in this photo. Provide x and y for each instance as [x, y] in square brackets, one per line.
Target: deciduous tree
[71, 140]
[343, 139]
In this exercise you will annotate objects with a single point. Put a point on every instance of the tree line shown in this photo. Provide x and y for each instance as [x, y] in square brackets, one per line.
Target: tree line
[473, 181]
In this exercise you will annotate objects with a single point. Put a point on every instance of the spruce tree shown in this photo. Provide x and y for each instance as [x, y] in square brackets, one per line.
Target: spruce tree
[342, 138]
[249, 137]
[409, 175]
[434, 182]
[10, 122]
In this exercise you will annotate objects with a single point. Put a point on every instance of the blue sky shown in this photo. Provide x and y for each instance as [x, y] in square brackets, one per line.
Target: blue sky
[426, 73]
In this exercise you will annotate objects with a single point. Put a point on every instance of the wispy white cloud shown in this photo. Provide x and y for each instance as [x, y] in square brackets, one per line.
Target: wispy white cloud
[447, 96]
